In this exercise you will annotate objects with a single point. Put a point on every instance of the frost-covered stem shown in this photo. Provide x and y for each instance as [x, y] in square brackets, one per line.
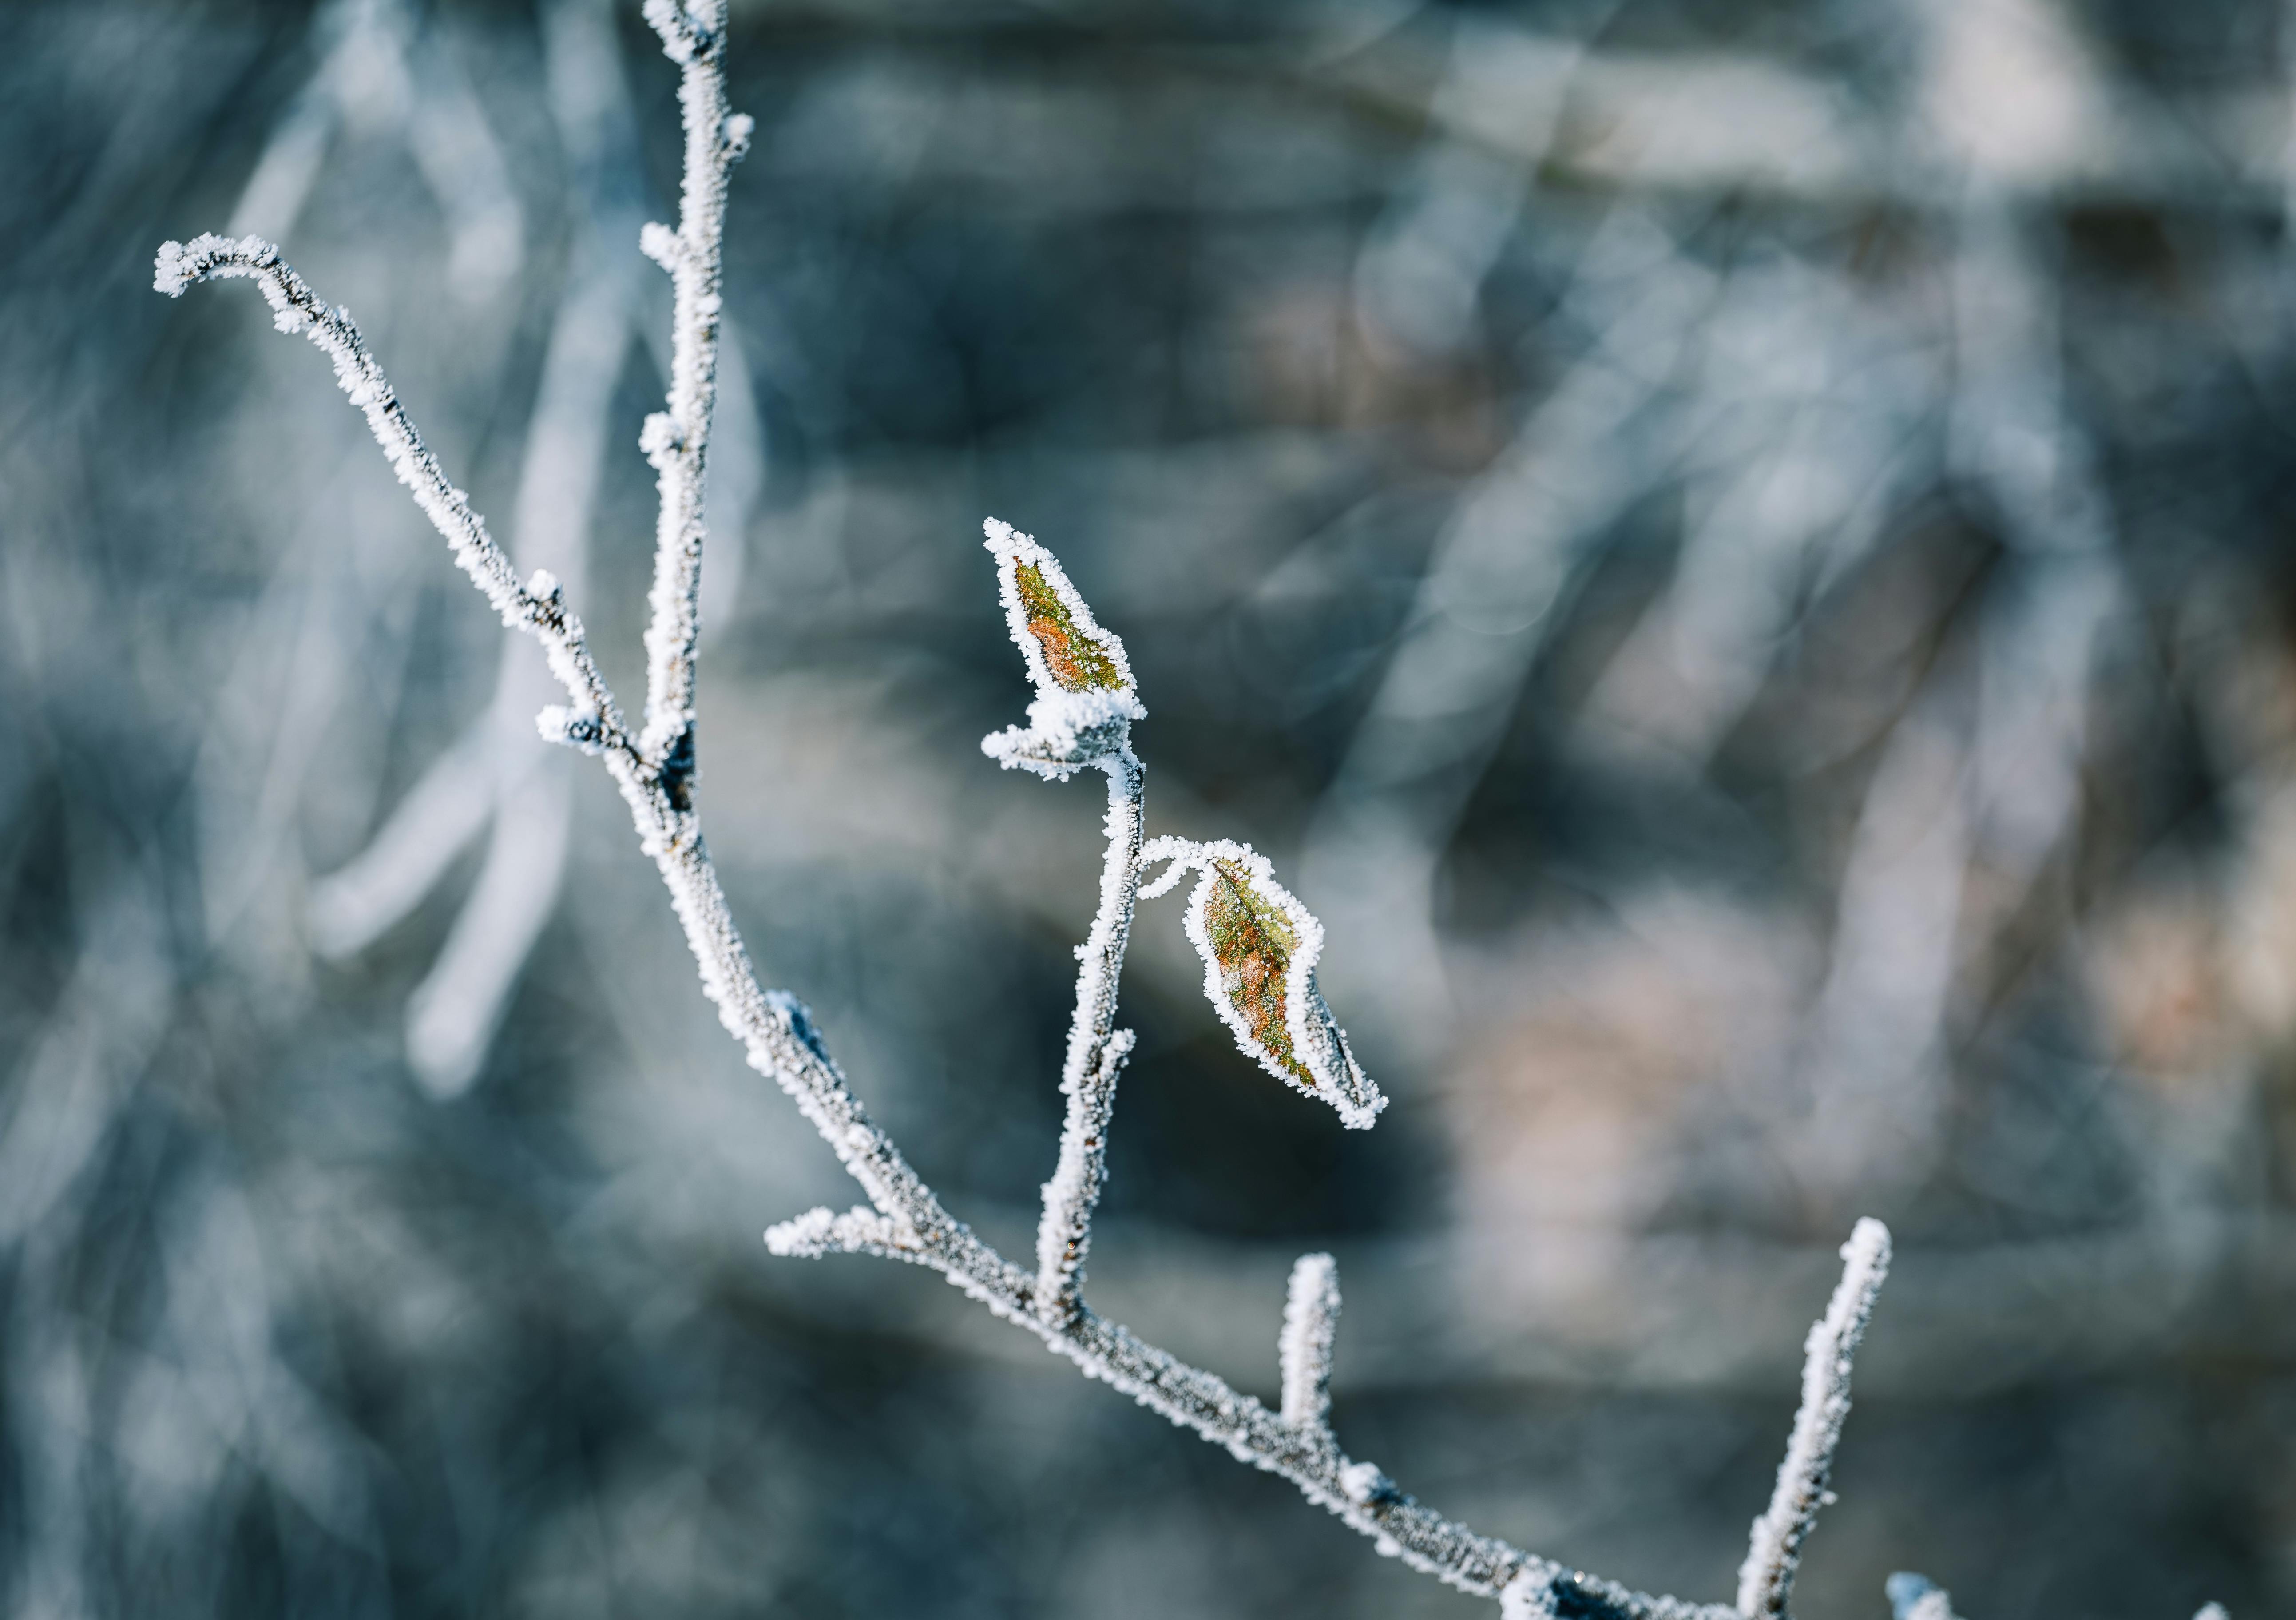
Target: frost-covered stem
[1096, 1052]
[676, 440]
[774, 1032]
[1311, 1322]
[1774, 1549]
[771, 1032]
[594, 722]
[1358, 1493]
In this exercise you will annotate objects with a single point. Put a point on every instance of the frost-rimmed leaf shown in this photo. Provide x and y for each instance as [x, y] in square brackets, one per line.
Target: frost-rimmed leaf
[1084, 704]
[1260, 946]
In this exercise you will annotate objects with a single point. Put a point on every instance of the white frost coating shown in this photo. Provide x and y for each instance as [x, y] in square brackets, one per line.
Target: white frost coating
[860, 1230]
[1095, 1052]
[1530, 1595]
[2210, 1611]
[1913, 1597]
[294, 309]
[1311, 1322]
[677, 441]
[1064, 1231]
[1315, 1036]
[1070, 724]
[1774, 1548]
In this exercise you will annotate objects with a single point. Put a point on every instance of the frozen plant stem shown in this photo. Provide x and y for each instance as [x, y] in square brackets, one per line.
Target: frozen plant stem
[676, 440]
[1311, 1322]
[1774, 1549]
[1258, 943]
[1096, 1051]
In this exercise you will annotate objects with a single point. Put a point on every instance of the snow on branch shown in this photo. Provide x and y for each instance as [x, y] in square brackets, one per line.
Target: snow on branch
[857, 1231]
[1774, 1549]
[676, 440]
[1260, 946]
[592, 723]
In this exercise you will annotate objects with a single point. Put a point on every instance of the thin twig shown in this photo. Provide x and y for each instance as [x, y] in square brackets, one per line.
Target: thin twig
[1096, 1052]
[595, 723]
[677, 440]
[1774, 1549]
[1311, 1322]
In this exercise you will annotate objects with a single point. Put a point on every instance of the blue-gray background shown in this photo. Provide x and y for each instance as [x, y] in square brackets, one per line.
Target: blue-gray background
[1737, 554]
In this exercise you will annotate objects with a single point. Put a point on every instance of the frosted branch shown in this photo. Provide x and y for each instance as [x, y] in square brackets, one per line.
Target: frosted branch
[1258, 943]
[538, 606]
[1064, 1230]
[1311, 1322]
[1774, 1549]
[1530, 1595]
[676, 440]
[1096, 1051]
[857, 1231]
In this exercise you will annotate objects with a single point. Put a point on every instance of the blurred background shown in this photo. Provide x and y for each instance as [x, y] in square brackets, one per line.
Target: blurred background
[1735, 553]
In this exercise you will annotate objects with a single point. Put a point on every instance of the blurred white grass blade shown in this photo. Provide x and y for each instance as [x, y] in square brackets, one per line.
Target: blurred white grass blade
[462, 163]
[2011, 437]
[1260, 947]
[279, 702]
[276, 192]
[1774, 1548]
[1806, 414]
[360, 45]
[358, 903]
[2038, 643]
[1482, 614]
[1311, 1325]
[2211, 1611]
[1913, 1597]
[1877, 1031]
[375, 74]
[451, 1018]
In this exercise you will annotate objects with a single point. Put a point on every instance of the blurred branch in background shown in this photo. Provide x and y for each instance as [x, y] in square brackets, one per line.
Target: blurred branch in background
[1793, 659]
